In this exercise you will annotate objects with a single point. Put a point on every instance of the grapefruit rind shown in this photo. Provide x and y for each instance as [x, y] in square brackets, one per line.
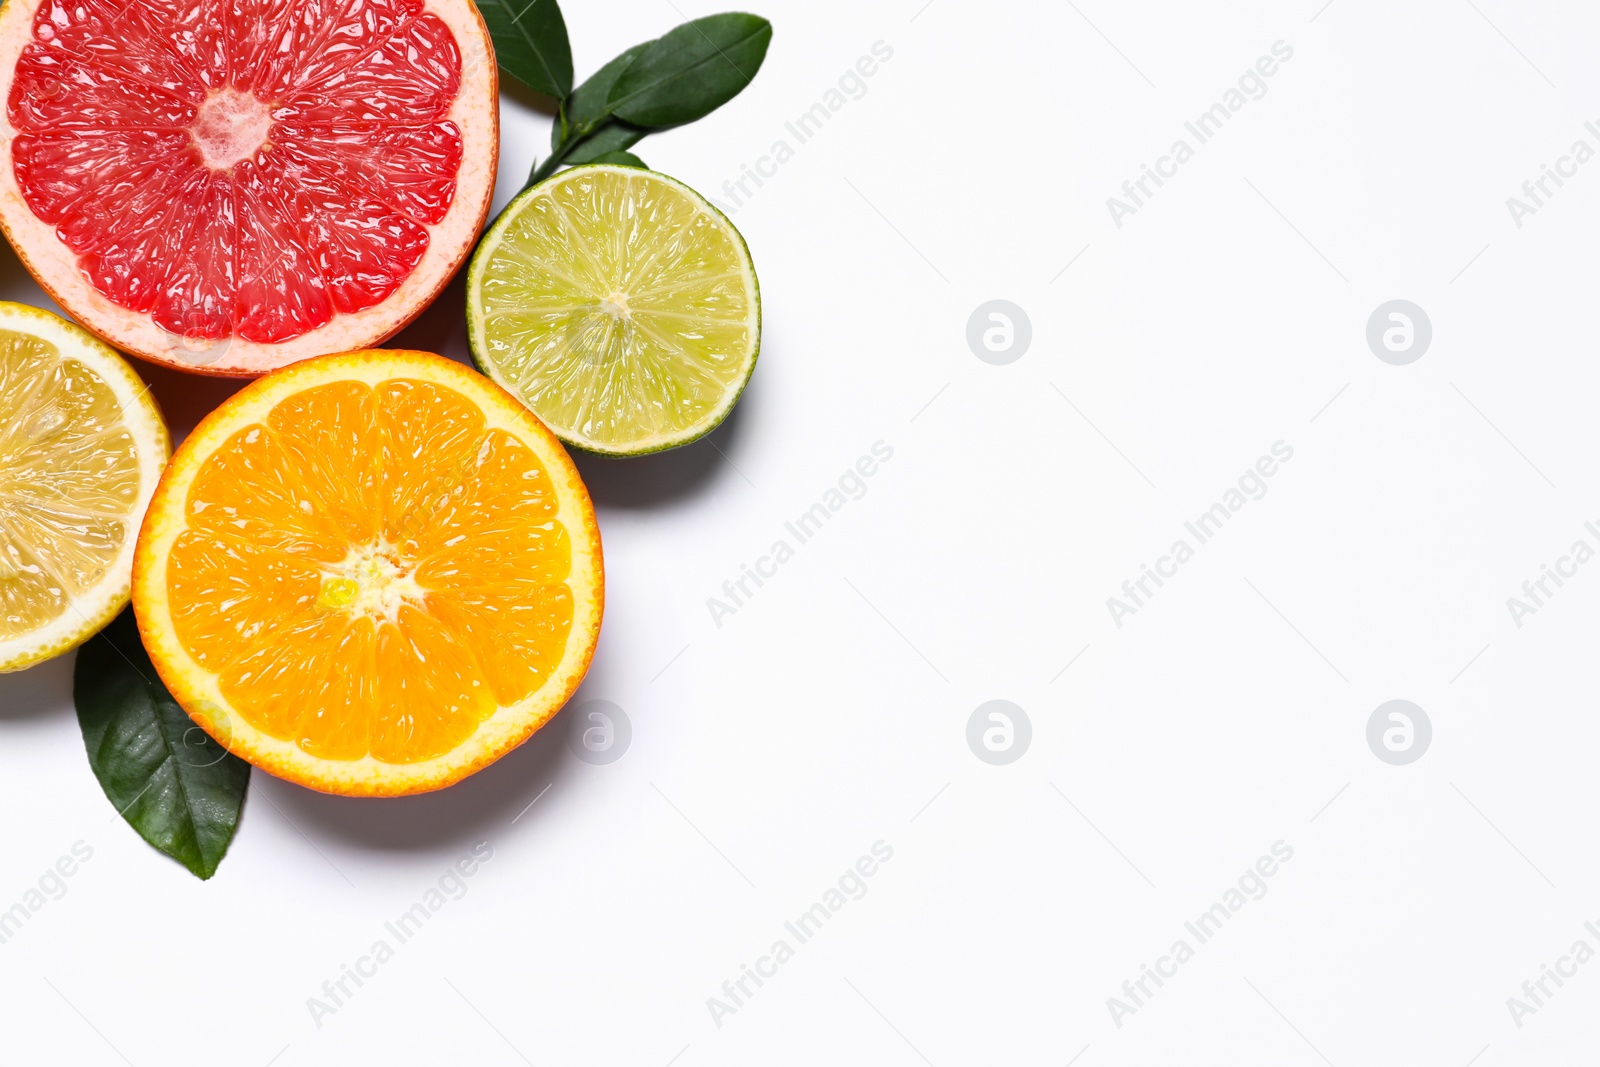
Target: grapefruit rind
[196, 689]
[476, 325]
[476, 113]
[88, 614]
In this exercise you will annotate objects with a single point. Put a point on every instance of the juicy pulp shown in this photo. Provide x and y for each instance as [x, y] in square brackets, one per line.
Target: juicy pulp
[372, 570]
[248, 169]
[69, 482]
[618, 306]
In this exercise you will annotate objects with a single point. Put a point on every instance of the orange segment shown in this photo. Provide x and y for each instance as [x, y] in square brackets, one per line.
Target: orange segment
[383, 566]
[428, 435]
[327, 436]
[500, 486]
[516, 630]
[253, 489]
[230, 594]
[276, 685]
[339, 726]
[431, 695]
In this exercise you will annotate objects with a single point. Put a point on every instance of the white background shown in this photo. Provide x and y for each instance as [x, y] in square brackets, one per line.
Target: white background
[830, 711]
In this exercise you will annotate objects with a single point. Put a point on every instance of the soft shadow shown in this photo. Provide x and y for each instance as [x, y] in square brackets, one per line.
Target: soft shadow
[480, 807]
[185, 399]
[644, 481]
[17, 284]
[442, 327]
[37, 691]
[531, 99]
[483, 807]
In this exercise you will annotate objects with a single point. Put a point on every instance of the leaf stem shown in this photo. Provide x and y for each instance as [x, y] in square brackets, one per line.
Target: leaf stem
[571, 137]
[548, 167]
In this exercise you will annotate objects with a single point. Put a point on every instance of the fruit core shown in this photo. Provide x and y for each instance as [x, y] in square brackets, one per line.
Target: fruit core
[229, 126]
[372, 581]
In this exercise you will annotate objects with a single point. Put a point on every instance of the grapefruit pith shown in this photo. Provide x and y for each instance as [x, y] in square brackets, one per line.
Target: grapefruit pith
[231, 187]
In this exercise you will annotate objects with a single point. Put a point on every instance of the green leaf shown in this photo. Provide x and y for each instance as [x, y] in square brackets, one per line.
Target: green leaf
[614, 136]
[621, 159]
[691, 71]
[171, 781]
[587, 107]
[530, 43]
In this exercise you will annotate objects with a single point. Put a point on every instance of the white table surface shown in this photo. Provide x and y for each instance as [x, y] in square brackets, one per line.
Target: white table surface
[1225, 715]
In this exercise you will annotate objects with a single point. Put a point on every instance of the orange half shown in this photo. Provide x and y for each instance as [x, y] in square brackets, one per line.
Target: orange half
[371, 574]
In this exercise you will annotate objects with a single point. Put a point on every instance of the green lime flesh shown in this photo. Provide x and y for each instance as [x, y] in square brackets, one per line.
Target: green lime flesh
[617, 304]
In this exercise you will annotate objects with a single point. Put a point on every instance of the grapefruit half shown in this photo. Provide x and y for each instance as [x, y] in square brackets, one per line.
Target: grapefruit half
[229, 187]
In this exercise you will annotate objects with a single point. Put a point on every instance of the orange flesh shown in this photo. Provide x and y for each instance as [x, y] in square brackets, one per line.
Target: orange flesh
[373, 571]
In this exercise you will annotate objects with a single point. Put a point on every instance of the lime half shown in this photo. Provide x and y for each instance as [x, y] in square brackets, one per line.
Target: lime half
[619, 305]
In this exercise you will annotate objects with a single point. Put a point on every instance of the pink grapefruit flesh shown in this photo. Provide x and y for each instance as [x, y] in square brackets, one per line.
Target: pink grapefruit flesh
[232, 186]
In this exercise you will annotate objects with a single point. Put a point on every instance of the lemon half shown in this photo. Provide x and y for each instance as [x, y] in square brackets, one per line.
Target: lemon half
[82, 445]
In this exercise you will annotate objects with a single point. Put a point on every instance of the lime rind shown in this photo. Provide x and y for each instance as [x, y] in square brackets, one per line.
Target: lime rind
[619, 305]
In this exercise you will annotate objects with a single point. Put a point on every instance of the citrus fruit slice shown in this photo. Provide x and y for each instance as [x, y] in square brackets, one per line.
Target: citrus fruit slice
[229, 187]
[371, 573]
[619, 305]
[81, 447]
